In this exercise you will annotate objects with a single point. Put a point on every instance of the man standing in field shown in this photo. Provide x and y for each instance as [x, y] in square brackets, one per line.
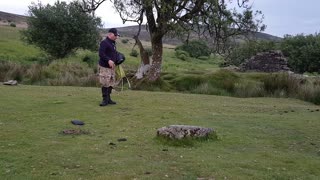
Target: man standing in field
[107, 63]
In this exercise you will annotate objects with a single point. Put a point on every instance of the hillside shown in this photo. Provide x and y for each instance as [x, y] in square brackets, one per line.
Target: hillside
[7, 18]
[128, 31]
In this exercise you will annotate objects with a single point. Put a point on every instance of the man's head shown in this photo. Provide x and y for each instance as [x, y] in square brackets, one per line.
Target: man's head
[113, 34]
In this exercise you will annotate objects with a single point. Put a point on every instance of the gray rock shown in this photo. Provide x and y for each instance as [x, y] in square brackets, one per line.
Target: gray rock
[11, 83]
[184, 131]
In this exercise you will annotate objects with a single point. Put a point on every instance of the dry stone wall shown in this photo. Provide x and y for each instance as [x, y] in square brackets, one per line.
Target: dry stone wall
[272, 61]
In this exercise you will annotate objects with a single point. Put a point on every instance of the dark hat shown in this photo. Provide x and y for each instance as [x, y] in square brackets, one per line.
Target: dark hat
[114, 31]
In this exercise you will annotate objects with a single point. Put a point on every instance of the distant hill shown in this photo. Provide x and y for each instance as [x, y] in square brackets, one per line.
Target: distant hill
[128, 31]
[19, 20]
[4, 16]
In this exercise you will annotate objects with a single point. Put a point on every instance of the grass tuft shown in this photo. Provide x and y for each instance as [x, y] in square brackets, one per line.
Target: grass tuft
[187, 141]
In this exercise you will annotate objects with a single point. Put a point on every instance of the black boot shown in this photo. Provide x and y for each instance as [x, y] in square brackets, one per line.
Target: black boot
[109, 97]
[105, 96]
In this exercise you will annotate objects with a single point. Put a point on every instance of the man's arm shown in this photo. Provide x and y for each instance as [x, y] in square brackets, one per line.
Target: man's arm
[102, 53]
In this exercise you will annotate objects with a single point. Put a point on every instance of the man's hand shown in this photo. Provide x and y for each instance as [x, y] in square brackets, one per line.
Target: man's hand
[111, 64]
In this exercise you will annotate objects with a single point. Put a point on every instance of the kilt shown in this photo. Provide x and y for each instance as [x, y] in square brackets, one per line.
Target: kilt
[107, 76]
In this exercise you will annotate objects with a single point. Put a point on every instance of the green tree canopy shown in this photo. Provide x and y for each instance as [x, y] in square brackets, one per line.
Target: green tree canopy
[211, 18]
[61, 28]
[303, 52]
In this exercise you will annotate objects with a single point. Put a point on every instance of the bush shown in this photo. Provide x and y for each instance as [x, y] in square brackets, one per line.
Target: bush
[13, 25]
[134, 53]
[303, 52]
[183, 55]
[125, 41]
[195, 48]
[62, 28]
[245, 51]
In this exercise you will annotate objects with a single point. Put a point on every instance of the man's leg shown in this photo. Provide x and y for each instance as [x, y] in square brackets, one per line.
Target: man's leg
[109, 96]
[105, 96]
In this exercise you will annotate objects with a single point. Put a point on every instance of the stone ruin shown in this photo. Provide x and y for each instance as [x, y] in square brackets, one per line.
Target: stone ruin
[272, 61]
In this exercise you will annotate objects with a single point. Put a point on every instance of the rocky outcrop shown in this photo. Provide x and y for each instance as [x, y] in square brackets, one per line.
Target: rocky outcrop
[272, 61]
[184, 131]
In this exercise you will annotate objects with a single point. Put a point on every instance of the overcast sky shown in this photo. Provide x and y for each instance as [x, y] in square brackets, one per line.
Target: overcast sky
[281, 16]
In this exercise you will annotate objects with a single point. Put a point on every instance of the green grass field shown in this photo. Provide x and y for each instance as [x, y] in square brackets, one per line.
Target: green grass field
[259, 138]
[12, 48]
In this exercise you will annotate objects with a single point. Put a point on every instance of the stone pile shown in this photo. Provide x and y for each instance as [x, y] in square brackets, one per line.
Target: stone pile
[272, 61]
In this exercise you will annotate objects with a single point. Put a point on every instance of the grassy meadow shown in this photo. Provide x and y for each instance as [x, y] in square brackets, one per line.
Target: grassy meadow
[258, 138]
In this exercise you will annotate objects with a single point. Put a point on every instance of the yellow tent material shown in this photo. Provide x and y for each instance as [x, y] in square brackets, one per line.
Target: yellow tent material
[120, 75]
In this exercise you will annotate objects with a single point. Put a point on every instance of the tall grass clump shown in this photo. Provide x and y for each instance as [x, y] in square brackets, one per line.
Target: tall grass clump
[188, 82]
[69, 74]
[281, 84]
[310, 91]
[221, 82]
[34, 74]
[224, 79]
[11, 71]
[249, 88]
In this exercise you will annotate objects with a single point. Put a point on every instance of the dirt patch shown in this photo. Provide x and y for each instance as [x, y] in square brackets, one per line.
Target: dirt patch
[74, 132]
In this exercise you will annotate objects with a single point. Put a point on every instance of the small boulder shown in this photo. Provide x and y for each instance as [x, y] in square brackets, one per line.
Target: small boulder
[11, 83]
[184, 131]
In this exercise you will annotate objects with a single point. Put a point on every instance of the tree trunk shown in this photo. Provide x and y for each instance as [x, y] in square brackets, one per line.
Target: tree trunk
[145, 61]
[155, 69]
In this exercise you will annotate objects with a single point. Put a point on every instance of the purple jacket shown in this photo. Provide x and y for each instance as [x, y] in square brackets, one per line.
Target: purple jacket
[107, 51]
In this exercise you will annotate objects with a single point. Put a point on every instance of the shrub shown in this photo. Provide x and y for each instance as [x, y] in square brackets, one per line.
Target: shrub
[303, 52]
[13, 25]
[183, 55]
[61, 28]
[134, 53]
[245, 51]
[195, 48]
[125, 41]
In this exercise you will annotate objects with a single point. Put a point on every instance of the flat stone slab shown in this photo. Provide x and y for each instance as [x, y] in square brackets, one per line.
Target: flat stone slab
[11, 83]
[184, 131]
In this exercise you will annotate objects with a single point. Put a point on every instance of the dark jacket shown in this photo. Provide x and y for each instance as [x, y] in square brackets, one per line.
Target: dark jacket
[107, 51]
